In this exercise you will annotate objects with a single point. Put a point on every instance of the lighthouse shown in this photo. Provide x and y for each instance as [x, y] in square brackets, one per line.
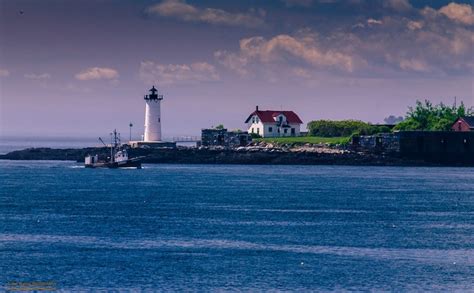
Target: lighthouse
[152, 136]
[153, 116]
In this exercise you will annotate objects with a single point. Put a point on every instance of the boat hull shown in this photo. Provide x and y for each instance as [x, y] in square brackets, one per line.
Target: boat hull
[115, 165]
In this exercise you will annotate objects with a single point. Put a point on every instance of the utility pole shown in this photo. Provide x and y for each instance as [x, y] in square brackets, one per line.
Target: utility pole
[130, 125]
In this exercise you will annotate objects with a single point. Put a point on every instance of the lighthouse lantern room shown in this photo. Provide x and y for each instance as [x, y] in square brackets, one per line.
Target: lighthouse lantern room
[153, 116]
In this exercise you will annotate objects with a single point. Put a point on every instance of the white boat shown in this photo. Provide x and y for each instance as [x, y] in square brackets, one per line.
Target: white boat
[118, 157]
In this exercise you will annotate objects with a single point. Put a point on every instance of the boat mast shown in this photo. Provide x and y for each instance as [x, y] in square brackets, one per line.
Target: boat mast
[115, 143]
[111, 147]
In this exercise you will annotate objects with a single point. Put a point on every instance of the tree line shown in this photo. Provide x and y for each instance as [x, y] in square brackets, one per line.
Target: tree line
[329, 128]
[424, 116]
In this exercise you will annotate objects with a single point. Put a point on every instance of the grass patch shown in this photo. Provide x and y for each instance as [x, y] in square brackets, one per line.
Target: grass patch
[307, 139]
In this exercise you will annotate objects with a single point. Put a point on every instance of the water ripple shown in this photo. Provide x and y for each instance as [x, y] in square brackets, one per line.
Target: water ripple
[451, 256]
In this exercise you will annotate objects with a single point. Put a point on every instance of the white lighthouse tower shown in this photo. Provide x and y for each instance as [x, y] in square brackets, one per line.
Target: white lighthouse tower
[153, 116]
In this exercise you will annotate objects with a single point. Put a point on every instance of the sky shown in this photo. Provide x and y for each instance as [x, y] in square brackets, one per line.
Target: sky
[81, 68]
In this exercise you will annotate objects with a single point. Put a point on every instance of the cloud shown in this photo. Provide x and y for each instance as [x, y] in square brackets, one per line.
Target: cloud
[415, 44]
[425, 44]
[284, 49]
[372, 21]
[414, 65]
[419, 42]
[4, 72]
[358, 25]
[461, 13]
[234, 62]
[301, 72]
[398, 5]
[154, 73]
[179, 9]
[414, 25]
[95, 73]
[42, 76]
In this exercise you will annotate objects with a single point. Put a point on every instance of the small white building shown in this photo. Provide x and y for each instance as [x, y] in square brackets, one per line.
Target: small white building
[271, 123]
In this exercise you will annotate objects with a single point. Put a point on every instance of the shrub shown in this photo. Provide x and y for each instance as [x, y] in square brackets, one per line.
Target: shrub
[328, 128]
[254, 135]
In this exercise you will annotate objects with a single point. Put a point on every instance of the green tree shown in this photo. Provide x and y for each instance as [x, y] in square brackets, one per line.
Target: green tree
[426, 116]
[392, 119]
[220, 126]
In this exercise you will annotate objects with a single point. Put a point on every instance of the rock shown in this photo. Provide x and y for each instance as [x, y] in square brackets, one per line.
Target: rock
[302, 154]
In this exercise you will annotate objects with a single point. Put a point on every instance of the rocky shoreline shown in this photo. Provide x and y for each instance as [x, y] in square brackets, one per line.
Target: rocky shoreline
[260, 153]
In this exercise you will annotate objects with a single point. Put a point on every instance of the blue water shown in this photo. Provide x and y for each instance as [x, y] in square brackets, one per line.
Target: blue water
[253, 228]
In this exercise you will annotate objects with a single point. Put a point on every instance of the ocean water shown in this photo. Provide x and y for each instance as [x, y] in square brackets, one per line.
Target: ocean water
[250, 228]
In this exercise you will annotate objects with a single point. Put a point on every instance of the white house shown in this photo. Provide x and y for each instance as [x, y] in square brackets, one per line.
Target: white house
[271, 123]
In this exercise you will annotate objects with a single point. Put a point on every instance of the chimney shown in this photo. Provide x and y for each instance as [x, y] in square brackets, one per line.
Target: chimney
[256, 108]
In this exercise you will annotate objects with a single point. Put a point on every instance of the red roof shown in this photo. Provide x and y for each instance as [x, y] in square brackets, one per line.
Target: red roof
[268, 116]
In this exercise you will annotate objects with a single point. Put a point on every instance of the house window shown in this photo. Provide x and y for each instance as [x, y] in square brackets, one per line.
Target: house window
[256, 120]
[293, 131]
[258, 130]
[286, 130]
[270, 129]
[280, 119]
[278, 130]
[252, 129]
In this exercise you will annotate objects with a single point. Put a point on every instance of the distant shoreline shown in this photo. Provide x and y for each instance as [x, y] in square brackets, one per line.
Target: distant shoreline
[227, 156]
